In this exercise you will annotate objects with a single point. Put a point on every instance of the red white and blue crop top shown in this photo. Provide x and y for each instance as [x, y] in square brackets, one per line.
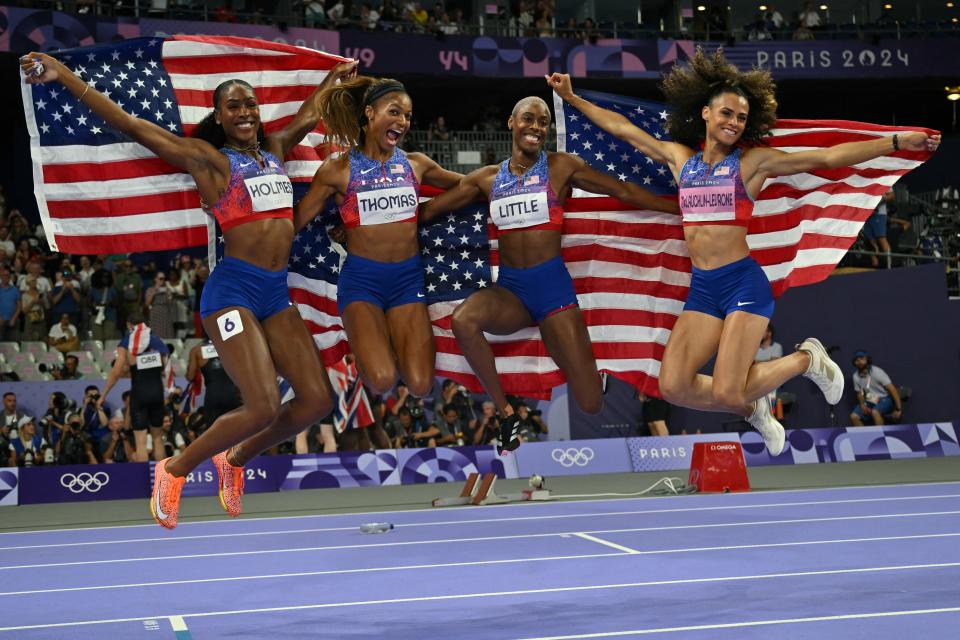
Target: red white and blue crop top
[714, 195]
[254, 192]
[527, 201]
[380, 192]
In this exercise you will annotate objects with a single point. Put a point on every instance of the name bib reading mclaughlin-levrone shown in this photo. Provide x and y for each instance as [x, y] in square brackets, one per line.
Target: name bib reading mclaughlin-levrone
[382, 206]
[148, 361]
[708, 200]
[521, 210]
[269, 192]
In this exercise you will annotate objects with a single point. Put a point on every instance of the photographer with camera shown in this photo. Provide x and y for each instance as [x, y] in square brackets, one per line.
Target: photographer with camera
[119, 445]
[459, 397]
[877, 396]
[409, 431]
[54, 422]
[454, 429]
[144, 355]
[531, 426]
[74, 446]
[488, 425]
[94, 416]
[29, 448]
[69, 370]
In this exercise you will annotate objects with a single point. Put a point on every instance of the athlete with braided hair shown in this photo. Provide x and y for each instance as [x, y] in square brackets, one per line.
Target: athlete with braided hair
[730, 301]
[381, 293]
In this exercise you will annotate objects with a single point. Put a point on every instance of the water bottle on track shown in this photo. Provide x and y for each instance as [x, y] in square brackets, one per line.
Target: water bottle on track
[376, 527]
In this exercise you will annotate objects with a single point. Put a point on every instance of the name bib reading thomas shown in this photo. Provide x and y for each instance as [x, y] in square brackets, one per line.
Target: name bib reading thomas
[382, 206]
[270, 192]
[521, 210]
[148, 361]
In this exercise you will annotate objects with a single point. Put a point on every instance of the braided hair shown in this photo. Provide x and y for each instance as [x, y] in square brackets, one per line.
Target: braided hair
[212, 131]
[342, 106]
[691, 87]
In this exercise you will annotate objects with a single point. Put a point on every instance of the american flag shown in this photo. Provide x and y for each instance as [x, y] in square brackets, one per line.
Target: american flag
[631, 268]
[99, 192]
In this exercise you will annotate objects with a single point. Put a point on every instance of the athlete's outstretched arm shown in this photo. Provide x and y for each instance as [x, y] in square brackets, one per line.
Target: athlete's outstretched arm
[668, 153]
[119, 367]
[324, 185]
[308, 115]
[767, 162]
[432, 173]
[466, 191]
[189, 154]
[589, 179]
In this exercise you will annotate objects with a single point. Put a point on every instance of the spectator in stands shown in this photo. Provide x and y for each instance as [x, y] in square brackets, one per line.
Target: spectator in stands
[224, 13]
[5, 242]
[65, 297]
[35, 269]
[877, 397]
[947, 196]
[160, 308]
[773, 19]
[438, 130]
[199, 280]
[9, 307]
[589, 32]
[85, 273]
[531, 426]
[758, 30]
[809, 18]
[102, 302]
[875, 229]
[544, 25]
[69, 370]
[314, 13]
[29, 448]
[488, 425]
[369, 17]
[390, 16]
[336, 14]
[180, 290]
[6, 435]
[11, 414]
[129, 288]
[33, 304]
[417, 15]
[63, 335]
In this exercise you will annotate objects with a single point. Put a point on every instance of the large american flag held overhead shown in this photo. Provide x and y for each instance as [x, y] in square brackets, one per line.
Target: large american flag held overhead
[99, 192]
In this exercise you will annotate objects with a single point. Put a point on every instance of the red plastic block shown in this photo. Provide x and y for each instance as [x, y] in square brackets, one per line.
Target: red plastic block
[718, 467]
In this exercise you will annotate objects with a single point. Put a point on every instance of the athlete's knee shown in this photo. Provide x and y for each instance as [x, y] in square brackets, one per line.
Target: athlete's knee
[262, 409]
[729, 396]
[672, 388]
[419, 384]
[464, 321]
[315, 402]
[380, 379]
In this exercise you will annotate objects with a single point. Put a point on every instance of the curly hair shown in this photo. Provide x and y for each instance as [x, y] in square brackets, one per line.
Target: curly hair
[342, 106]
[212, 131]
[689, 88]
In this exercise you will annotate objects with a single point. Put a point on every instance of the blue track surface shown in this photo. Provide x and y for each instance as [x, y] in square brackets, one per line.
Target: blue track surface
[868, 562]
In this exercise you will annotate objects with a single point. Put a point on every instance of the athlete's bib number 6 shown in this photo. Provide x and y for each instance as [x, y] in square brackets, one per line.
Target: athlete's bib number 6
[230, 324]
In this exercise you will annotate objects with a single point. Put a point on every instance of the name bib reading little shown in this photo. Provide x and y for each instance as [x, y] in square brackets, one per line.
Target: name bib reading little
[269, 192]
[521, 210]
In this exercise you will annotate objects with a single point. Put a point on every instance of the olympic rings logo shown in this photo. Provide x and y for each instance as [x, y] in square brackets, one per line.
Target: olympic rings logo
[573, 456]
[81, 482]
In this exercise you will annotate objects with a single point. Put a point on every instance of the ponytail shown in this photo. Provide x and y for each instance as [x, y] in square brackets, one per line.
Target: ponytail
[342, 107]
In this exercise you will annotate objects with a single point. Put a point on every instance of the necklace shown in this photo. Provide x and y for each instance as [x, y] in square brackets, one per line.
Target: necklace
[255, 147]
[517, 164]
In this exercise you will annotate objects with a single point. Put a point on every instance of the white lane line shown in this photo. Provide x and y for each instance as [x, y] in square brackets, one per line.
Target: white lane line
[607, 543]
[495, 594]
[625, 550]
[754, 623]
[444, 523]
[525, 505]
[520, 536]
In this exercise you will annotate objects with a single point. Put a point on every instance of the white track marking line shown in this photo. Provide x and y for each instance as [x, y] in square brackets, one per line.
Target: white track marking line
[171, 538]
[607, 543]
[494, 594]
[523, 505]
[623, 549]
[754, 623]
[520, 536]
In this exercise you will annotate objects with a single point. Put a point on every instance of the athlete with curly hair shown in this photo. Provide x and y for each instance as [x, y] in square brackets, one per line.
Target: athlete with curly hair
[730, 301]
